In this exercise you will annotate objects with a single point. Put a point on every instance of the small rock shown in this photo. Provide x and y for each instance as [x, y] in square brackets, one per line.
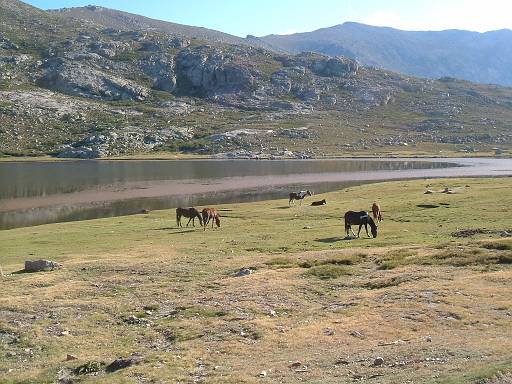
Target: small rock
[263, 374]
[329, 332]
[272, 313]
[429, 192]
[341, 362]
[357, 334]
[378, 362]
[124, 363]
[64, 333]
[10, 354]
[70, 357]
[429, 339]
[307, 227]
[244, 272]
[295, 364]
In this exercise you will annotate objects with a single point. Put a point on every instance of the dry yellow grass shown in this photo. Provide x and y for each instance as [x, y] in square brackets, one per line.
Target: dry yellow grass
[440, 310]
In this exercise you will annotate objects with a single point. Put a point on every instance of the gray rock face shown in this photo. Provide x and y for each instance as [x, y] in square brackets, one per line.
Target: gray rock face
[41, 265]
[108, 49]
[161, 71]
[337, 67]
[78, 79]
[205, 73]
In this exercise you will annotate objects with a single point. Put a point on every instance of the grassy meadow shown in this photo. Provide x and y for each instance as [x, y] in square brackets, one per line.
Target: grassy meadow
[427, 301]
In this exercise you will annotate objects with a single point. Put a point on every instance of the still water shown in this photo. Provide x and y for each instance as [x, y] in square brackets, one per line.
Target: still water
[34, 193]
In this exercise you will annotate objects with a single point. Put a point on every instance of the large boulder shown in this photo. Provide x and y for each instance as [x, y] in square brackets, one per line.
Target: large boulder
[41, 265]
[78, 79]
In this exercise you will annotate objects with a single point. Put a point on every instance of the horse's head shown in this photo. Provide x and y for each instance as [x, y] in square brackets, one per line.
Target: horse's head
[324, 201]
[308, 192]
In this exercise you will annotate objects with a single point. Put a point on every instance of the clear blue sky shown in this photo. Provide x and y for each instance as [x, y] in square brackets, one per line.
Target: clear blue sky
[262, 17]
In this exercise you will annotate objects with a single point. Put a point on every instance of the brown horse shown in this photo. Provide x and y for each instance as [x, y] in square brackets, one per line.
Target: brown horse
[210, 214]
[298, 196]
[191, 213]
[377, 213]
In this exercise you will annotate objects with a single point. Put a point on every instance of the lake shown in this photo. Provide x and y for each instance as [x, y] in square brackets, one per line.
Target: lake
[33, 193]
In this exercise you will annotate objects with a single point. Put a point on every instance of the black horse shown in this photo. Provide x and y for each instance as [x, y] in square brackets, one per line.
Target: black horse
[298, 196]
[191, 213]
[360, 218]
[317, 203]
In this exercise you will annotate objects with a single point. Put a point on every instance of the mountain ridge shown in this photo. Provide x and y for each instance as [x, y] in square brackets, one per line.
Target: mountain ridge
[483, 57]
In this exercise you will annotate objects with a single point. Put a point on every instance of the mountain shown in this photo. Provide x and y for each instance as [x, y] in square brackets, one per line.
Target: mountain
[478, 57]
[72, 87]
[111, 18]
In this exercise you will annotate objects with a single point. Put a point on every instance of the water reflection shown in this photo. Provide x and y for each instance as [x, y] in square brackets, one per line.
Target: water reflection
[37, 180]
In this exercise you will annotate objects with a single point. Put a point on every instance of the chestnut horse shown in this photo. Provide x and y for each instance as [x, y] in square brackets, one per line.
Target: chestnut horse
[359, 218]
[191, 213]
[298, 196]
[377, 213]
[210, 214]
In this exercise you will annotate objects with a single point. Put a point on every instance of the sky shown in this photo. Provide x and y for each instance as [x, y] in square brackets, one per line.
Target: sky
[264, 17]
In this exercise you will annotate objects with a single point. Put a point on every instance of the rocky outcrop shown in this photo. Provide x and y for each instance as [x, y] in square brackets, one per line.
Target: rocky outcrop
[204, 72]
[161, 71]
[78, 79]
[322, 65]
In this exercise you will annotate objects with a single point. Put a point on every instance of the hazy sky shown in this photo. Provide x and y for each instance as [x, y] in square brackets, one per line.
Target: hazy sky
[262, 17]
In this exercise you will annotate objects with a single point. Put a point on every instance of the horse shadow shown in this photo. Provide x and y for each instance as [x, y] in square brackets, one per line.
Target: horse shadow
[330, 240]
[176, 230]
[283, 207]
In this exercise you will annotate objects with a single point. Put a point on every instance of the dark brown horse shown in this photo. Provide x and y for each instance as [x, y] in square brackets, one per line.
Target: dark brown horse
[359, 218]
[317, 203]
[210, 214]
[377, 213]
[298, 196]
[191, 213]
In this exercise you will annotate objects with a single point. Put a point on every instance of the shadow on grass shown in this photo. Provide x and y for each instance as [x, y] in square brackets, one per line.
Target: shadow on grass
[427, 206]
[177, 230]
[330, 239]
[283, 207]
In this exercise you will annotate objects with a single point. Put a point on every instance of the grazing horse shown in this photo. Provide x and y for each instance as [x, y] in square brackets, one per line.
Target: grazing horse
[377, 213]
[316, 203]
[210, 214]
[359, 218]
[191, 213]
[298, 196]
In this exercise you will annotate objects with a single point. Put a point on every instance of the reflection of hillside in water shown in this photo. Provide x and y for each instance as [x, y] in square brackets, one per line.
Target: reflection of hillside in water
[41, 179]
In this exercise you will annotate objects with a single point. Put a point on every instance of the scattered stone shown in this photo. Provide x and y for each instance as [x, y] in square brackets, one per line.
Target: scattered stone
[341, 362]
[295, 364]
[124, 363]
[263, 374]
[70, 357]
[244, 272]
[88, 367]
[357, 334]
[10, 354]
[64, 333]
[378, 362]
[429, 339]
[272, 313]
[41, 265]
[329, 332]
[134, 320]
[307, 227]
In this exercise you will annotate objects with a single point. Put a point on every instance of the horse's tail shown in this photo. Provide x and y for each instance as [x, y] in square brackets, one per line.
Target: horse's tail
[347, 224]
[178, 216]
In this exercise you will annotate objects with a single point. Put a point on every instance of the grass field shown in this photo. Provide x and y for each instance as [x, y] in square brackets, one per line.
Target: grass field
[427, 301]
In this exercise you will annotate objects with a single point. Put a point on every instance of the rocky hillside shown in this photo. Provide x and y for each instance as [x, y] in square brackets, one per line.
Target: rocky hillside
[79, 88]
[479, 57]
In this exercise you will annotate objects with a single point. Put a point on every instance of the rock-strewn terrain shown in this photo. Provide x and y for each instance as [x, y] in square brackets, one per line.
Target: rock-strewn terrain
[75, 88]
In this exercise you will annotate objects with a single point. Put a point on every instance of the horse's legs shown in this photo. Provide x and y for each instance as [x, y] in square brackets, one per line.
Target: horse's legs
[358, 232]
[189, 219]
[366, 227]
